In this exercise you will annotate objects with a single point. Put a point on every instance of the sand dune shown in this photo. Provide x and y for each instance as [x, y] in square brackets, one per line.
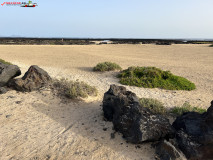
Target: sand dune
[39, 125]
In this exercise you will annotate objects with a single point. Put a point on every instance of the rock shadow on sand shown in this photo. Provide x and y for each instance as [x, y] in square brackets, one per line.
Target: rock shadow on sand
[85, 119]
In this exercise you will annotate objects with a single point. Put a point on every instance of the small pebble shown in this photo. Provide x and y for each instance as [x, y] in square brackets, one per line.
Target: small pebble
[7, 116]
[18, 102]
[11, 97]
[137, 146]
[112, 135]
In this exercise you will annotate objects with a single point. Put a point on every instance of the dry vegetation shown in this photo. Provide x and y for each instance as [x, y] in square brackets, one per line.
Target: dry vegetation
[186, 107]
[158, 107]
[106, 66]
[5, 62]
[74, 89]
[154, 105]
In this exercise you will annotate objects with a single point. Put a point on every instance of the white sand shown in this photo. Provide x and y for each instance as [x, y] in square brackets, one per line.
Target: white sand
[41, 126]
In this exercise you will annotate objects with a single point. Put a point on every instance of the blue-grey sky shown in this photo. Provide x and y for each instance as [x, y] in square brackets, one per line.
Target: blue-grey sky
[110, 19]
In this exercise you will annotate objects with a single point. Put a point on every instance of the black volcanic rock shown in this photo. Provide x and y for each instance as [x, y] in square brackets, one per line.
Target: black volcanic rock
[7, 72]
[168, 151]
[33, 79]
[195, 134]
[163, 43]
[137, 123]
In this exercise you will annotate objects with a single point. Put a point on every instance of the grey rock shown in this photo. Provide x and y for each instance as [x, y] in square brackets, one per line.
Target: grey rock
[33, 79]
[137, 123]
[195, 134]
[3, 90]
[7, 72]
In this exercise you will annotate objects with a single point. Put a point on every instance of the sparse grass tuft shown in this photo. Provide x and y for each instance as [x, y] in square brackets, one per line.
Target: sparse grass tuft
[154, 105]
[74, 89]
[186, 107]
[151, 77]
[106, 66]
[4, 62]
[157, 107]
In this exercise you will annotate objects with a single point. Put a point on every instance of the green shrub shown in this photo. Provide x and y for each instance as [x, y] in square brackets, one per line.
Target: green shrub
[186, 107]
[211, 45]
[151, 77]
[4, 62]
[106, 66]
[74, 89]
[154, 105]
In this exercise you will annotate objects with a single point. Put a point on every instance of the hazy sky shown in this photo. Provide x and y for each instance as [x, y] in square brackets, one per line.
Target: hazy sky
[110, 19]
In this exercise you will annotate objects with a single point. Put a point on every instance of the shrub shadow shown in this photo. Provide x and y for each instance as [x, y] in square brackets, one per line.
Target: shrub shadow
[87, 69]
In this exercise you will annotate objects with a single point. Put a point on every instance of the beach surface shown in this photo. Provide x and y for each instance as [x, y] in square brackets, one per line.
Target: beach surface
[39, 125]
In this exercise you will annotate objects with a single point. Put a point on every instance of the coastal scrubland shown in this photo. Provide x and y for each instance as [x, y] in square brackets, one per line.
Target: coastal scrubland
[40, 125]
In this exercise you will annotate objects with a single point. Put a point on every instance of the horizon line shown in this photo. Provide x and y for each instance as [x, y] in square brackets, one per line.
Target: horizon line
[106, 38]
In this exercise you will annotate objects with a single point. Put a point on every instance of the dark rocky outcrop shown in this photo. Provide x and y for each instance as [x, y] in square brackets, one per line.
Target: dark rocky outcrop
[163, 43]
[195, 134]
[137, 123]
[33, 79]
[168, 151]
[7, 72]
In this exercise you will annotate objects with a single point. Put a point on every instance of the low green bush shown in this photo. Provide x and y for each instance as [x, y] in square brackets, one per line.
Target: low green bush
[4, 62]
[211, 45]
[186, 107]
[154, 105]
[74, 89]
[151, 77]
[106, 66]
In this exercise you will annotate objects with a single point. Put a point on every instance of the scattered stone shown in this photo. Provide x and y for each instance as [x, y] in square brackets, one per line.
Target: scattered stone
[167, 151]
[112, 135]
[7, 116]
[7, 72]
[137, 146]
[48, 157]
[18, 102]
[11, 97]
[137, 123]
[195, 134]
[33, 79]
[3, 90]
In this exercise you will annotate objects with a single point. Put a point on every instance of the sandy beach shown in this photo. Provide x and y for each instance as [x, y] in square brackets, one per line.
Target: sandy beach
[38, 125]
